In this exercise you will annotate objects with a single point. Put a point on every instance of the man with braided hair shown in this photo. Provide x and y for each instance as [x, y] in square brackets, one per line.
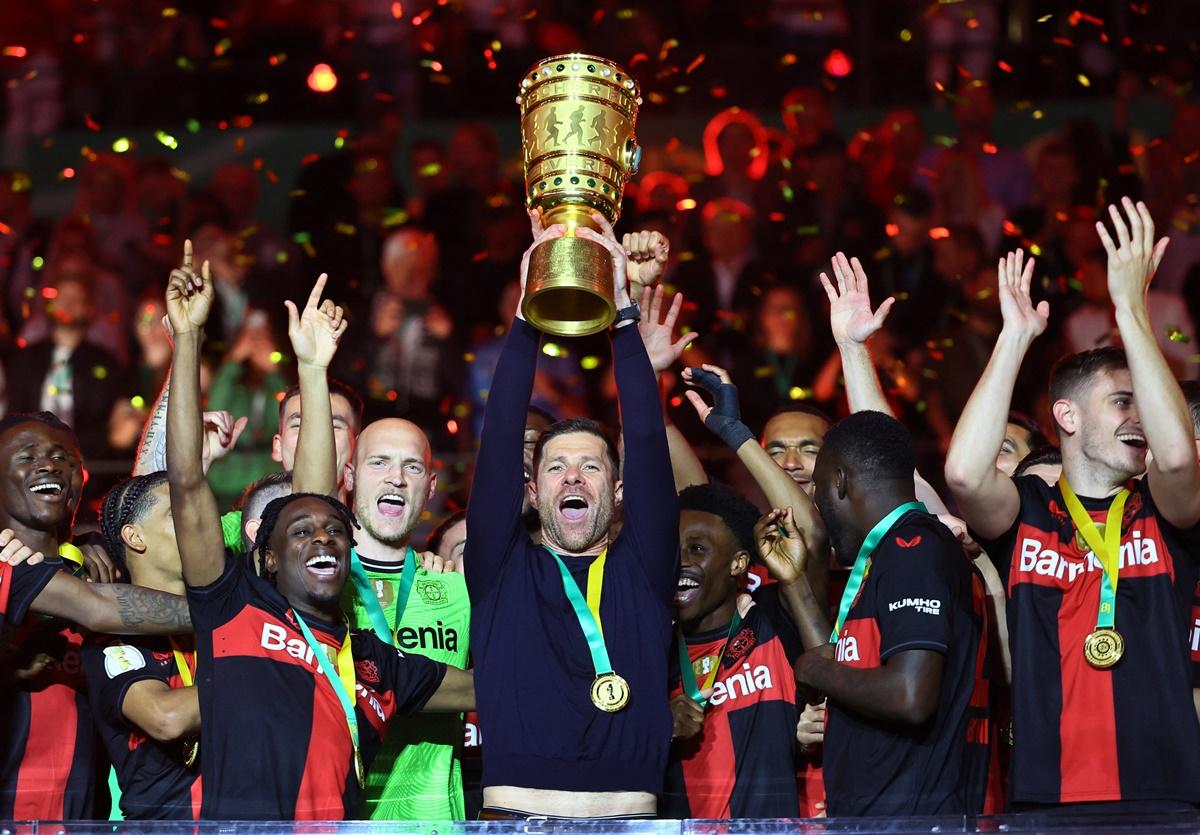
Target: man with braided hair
[47, 758]
[140, 689]
[277, 663]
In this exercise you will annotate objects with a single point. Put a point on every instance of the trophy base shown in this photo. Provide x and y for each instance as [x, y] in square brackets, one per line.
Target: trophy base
[569, 288]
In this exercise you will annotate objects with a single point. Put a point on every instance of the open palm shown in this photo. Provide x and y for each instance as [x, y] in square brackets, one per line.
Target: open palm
[850, 315]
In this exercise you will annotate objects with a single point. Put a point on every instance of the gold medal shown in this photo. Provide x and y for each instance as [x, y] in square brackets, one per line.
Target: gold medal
[610, 692]
[1103, 648]
[359, 769]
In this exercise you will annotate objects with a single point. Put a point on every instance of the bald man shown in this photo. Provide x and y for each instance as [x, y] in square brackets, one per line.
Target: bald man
[417, 775]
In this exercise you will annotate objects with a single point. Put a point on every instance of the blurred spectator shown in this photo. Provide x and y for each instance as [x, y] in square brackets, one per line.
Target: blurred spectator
[806, 116]
[961, 199]
[901, 138]
[1007, 179]
[558, 386]
[906, 270]
[64, 372]
[72, 254]
[409, 347]
[1092, 325]
[22, 238]
[783, 358]
[735, 157]
[231, 305]
[429, 172]
[106, 198]
[259, 246]
[724, 285]
[961, 36]
[248, 383]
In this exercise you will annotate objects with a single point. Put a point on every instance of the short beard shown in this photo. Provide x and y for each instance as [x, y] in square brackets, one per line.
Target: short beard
[575, 542]
[391, 538]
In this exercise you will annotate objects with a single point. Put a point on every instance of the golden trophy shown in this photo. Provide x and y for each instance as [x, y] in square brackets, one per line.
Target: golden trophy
[578, 114]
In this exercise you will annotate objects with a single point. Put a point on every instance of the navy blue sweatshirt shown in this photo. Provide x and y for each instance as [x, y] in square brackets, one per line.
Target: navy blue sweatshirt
[533, 671]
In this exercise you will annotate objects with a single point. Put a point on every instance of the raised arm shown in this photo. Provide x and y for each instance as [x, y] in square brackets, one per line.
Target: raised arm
[152, 449]
[853, 323]
[497, 490]
[114, 609]
[314, 334]
[782, 550]
[987, 498]
[724, 420]
[1173, 473]
[651, 505]
[657, 335]
[193, 505]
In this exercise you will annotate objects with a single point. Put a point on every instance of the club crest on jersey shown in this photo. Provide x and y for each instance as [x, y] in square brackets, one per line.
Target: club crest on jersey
[432, 591]
[741, 643]
[121, 659]
[367, 671]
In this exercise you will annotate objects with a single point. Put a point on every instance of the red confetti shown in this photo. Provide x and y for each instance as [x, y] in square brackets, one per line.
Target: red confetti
[696, 62]
[5, 229]
[15, 51]
[939, 232]
[91, 123]
[1004, 65]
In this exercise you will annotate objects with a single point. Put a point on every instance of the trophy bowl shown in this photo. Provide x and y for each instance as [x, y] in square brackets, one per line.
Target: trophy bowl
[578, 114]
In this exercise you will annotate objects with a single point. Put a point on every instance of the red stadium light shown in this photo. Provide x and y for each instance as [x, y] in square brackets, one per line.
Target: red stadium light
[838, 64]
[322, 79]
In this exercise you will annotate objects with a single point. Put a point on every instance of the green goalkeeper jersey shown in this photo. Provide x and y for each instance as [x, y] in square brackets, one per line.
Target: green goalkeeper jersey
[417, 775]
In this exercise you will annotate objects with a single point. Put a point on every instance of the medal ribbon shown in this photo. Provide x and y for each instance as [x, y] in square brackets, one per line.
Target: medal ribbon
[687, 673]
[342, 682]
[1107, 550]
[587, 612]
[185, 672]
[370, 600]
[862, 563]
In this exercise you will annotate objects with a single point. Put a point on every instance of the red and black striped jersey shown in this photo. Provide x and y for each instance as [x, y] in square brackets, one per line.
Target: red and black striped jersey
[1082, 734]
[156, 783]
[49, 767]
[742, 764]
[921, 594]
[273, 738]
[19, 587]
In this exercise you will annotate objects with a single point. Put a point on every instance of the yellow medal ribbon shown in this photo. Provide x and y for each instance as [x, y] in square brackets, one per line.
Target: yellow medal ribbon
[595, 588]
[1104, 646]
[190, 750]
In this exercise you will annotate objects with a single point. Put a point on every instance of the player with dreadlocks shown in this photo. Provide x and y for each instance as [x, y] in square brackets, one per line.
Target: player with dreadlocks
[140, 689]
[293, 706]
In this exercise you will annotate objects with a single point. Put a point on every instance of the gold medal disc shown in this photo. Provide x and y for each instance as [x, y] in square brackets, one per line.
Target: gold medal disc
[359, 769]
[1103, 648]
[610, 692]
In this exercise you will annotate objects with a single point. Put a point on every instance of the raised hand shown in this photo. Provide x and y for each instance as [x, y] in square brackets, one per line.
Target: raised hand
[780, 545]
[1134, 259]
[315, 332]
[647, 259]
[1020, 316]
[656, 335]
[189, 296]
[850, 315]
[221, 433]
[608, 239]
[724, 417]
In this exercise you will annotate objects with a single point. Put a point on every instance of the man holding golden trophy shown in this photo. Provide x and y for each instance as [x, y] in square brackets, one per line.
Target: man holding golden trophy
[572, 632]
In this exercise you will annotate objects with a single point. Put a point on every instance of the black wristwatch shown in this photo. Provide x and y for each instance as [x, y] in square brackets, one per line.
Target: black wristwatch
[633, 313]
